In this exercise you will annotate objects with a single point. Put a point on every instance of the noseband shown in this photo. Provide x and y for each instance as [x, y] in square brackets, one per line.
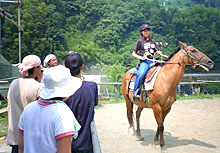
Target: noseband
[193, 65]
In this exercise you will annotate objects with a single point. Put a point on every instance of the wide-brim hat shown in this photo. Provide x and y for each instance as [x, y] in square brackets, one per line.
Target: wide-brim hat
[58, 82]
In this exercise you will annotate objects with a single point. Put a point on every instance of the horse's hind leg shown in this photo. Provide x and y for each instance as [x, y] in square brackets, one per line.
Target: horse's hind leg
[138, 131]
[129, 106]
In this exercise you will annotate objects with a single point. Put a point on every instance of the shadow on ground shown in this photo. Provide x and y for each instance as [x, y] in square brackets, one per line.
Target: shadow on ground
[171, 141]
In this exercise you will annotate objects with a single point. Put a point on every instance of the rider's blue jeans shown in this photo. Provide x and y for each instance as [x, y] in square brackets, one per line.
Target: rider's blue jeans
[144, 65]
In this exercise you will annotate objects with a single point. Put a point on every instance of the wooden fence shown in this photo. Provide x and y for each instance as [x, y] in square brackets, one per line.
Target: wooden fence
[196, 86]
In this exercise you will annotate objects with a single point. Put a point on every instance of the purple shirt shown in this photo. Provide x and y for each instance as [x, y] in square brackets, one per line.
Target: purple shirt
[82, 104]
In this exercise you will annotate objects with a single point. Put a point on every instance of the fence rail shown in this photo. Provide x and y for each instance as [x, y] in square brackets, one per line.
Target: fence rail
[197, 84]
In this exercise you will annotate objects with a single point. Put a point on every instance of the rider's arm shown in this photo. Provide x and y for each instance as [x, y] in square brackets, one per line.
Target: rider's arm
[135, 55]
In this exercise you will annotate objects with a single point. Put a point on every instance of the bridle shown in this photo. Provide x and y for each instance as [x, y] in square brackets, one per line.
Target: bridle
[197, 60]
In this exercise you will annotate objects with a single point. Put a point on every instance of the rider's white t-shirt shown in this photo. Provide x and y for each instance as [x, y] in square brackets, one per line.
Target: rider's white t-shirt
[42, 124]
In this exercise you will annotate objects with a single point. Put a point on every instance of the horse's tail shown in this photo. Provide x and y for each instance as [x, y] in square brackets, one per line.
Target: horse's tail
[129, 104]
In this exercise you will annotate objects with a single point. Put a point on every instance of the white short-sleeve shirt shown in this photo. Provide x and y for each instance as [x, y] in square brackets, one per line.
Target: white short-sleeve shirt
[42, 124]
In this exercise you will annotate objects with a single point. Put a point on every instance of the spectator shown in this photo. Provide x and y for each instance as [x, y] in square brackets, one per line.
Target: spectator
[82, 104]
[21, 92]
[50, 61]
[47, 125]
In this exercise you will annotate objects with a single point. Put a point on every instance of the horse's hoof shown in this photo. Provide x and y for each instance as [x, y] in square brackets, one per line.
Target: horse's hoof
[139, 138]
[131, 131]
[156, 146]
[156, 143]
[164, 150]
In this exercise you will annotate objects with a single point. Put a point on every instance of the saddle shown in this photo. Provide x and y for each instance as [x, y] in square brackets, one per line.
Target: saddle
[148, 77]
[148, 83]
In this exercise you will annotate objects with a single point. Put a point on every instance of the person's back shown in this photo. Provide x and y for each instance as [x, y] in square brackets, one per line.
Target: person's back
[21, 92]
[82, 103]
[18, 99]
[39, 120]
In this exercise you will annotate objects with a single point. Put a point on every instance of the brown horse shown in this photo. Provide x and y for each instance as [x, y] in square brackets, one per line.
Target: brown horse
[164, 93]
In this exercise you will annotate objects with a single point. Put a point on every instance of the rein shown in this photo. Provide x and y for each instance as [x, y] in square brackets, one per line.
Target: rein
[193, 65]
[164, 62]
[186, 54]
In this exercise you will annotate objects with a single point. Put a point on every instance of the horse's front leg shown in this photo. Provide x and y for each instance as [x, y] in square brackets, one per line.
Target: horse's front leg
[160, 129]
[138, 131]
[156, 140]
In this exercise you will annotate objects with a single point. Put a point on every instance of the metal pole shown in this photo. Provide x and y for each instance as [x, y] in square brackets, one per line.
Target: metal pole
[9, 1]
[0, 35]
[19, 30]
[10, 20]
[95, 139]
[19, 22]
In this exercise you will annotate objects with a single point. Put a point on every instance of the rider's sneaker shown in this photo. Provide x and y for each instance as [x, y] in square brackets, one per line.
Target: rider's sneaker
[136, 98]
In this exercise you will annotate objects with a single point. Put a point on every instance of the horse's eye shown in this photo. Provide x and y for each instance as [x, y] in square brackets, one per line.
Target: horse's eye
[193, 51]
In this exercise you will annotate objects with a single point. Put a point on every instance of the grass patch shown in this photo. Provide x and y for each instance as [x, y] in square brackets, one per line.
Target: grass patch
[178, 97]
[111, 101]
[3, 124]
[202, 96]
[3, 104]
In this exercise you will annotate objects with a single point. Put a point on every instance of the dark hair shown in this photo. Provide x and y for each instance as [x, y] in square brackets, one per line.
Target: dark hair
[75, 71]
[57, 98]
[31, 71]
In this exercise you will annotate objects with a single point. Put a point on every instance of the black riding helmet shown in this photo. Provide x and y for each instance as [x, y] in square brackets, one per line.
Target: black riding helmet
[144, 26]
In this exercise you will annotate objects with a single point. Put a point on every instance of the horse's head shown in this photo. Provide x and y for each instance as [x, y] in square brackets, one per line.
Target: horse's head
[196, 58]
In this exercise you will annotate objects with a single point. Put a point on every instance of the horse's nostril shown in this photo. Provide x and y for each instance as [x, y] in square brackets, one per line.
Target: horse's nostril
[210, 62]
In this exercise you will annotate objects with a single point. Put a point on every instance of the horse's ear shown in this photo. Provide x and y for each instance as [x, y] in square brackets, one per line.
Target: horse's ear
[183, 45]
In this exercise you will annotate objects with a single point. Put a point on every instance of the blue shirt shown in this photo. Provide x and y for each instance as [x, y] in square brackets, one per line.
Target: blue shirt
[82, 104]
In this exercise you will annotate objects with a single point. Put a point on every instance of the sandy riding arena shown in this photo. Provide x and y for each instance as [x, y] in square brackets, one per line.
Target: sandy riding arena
[192, 126]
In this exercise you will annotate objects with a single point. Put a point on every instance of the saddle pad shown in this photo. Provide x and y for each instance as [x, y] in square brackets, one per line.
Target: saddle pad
[150, 73]
[149, 81]
[149, 84]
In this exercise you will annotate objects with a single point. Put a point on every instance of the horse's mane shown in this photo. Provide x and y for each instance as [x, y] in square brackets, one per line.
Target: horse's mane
[171, 55]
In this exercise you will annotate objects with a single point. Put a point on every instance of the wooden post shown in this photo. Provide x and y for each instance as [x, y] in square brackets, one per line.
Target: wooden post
[197, 90]
[106, 91]
[116, 92]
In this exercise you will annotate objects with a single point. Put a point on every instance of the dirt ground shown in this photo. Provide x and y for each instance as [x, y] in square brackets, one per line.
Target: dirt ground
[192, 126]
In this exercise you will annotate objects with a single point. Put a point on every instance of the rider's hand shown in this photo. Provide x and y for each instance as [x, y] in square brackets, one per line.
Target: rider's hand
[144, 58]
[159, 53]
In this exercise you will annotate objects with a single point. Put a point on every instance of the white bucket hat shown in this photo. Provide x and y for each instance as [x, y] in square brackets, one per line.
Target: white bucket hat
[58, 82]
